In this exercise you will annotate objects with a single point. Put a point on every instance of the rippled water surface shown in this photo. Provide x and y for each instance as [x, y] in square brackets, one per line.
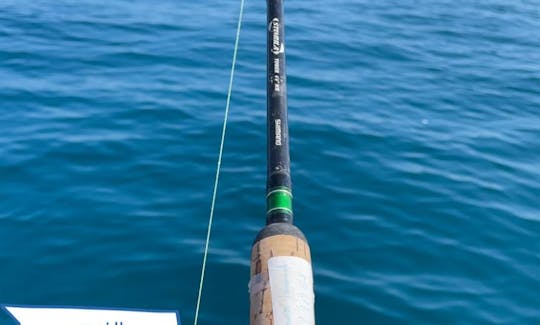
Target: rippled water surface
[415, 135]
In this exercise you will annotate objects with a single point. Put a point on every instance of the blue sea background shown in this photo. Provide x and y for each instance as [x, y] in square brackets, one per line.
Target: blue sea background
[415, 138]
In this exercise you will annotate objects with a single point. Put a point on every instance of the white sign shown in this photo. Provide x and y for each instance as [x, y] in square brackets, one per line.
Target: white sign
[291, 286]
[73, 316]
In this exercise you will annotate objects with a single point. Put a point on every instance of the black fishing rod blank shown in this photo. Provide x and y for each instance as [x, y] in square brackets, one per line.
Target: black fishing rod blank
[281, 284]
[278, 187]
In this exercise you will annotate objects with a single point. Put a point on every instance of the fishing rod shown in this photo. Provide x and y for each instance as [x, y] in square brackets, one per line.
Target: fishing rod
[281, 284]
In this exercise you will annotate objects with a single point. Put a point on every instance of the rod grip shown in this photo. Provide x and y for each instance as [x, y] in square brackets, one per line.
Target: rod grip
[281, 286]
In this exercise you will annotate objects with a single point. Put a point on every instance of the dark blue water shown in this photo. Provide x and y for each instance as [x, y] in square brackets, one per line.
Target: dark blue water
[415, 132]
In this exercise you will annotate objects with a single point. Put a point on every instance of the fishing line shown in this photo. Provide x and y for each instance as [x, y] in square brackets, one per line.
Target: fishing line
[216, 181]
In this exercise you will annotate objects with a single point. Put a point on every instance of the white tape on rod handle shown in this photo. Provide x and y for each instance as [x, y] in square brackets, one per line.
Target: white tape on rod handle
[291, 286]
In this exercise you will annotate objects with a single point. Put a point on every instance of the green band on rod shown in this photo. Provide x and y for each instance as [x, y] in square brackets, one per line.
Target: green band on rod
[279, 199]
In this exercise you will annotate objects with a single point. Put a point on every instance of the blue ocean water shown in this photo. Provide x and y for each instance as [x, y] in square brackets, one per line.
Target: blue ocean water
[415, 138]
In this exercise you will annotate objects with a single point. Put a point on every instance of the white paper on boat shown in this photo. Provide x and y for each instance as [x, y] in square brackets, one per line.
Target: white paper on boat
[74, 316]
